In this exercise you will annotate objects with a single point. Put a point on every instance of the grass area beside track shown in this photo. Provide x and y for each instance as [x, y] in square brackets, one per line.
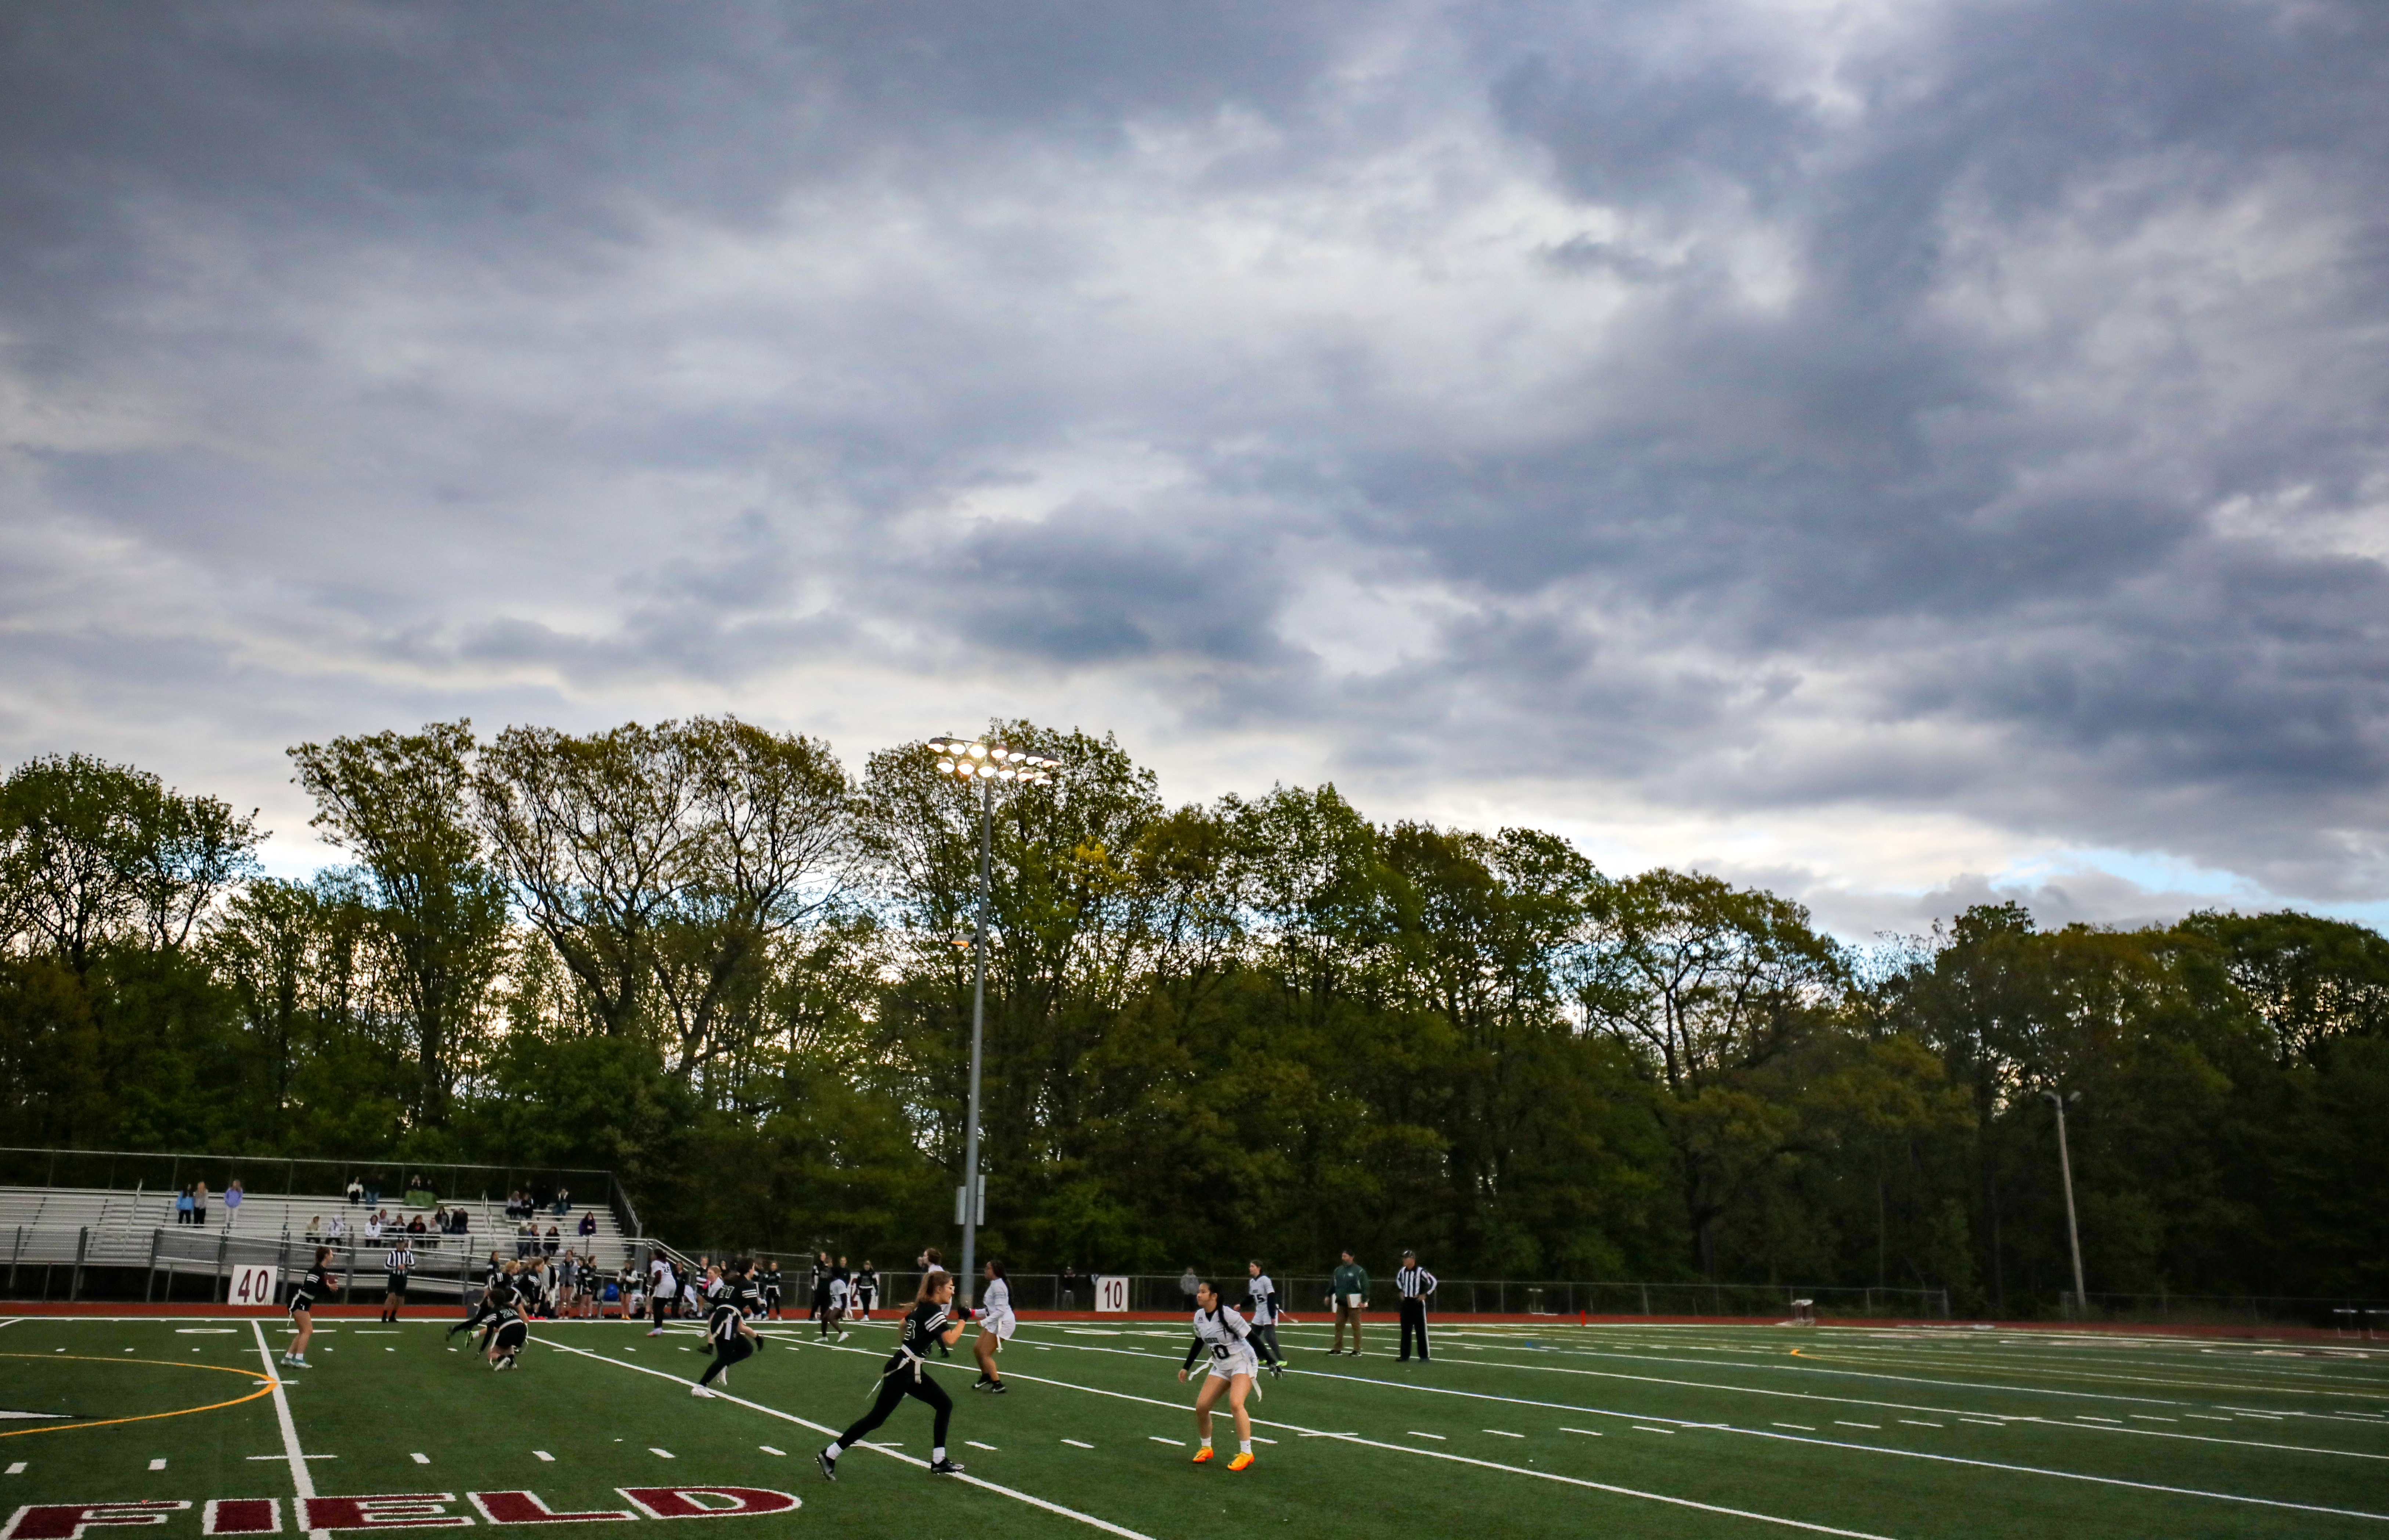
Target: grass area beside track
[1548, 1429]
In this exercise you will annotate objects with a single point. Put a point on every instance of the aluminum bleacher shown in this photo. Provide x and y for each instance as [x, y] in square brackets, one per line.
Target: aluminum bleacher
[54, 1234]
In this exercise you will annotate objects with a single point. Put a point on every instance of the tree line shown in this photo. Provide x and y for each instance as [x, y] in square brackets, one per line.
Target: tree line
[703, 955]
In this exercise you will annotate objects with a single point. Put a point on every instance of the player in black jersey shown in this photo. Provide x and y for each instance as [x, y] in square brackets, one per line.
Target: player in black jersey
[771, 1285]
[933, 1320]
[866, 1290]
[726, 1331]
[483, 1308]
[313, 1287]
[510, 1328]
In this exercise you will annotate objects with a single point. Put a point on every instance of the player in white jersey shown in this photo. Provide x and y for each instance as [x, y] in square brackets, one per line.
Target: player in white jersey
[1260, 1292]
[1223, 1334]
[996, 1325]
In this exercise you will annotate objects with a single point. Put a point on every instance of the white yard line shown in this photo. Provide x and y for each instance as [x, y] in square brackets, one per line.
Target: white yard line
[2093, 1427]
[302, 1485]
[1486, 1465]
[1885, 1450]
[1013, 1493]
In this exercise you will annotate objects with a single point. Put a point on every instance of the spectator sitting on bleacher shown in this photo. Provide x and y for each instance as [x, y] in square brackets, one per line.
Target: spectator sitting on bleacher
[373, 1225]
[338, 1228]
[416, 1227]
[356, 1191]
[457, 1223]
[315, 1228]
[373, 1193]
[562, 1201]
[588, 1223]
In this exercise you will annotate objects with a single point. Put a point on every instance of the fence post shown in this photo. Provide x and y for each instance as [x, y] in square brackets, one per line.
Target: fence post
[1646, 1297]
[15, 1252]
[224, 1244]
[74, 1280]
[149, 1283]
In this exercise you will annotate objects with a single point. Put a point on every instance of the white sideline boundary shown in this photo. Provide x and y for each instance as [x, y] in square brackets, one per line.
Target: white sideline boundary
[301, 1484]
[2025, 1418]
[1013, 1493]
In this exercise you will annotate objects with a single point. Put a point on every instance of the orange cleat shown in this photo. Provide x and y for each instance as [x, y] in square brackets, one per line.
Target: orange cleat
[1241, 1461]
[1203, 1454]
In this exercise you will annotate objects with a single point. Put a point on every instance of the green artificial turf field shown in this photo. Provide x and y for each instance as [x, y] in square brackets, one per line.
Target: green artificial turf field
[1545, 1431]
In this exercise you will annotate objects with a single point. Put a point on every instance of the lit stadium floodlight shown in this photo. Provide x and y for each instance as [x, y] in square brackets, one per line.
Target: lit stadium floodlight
[988, 763]
[970, 759]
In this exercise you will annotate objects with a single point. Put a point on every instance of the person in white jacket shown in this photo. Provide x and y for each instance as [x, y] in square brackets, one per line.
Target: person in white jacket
[996, 1325]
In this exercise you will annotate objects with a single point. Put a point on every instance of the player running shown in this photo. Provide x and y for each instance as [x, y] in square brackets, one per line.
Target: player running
[932, 1320]
[313, 1285]
[1224, 1332]
[732, 1338]
[995, 1328]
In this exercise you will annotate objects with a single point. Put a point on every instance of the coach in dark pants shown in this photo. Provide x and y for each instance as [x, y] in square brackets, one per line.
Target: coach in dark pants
[1415, 1285]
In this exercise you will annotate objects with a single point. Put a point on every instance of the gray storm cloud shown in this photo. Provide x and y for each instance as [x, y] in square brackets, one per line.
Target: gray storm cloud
[1873, 423]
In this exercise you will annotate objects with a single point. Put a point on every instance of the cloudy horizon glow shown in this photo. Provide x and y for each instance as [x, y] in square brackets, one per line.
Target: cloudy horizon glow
[1900, 455]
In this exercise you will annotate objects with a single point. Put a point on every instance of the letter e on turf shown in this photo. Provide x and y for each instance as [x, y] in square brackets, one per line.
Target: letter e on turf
[524, 1507]
[385, 1510]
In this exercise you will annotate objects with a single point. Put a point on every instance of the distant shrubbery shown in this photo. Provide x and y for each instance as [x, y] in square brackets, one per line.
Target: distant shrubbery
[698, 955]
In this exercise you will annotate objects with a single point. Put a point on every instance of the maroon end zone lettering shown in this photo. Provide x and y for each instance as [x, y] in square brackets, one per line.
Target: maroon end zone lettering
[241, 1516]
[68, 1520]
[385, 1510]
[682, 1502]
[524, 1507]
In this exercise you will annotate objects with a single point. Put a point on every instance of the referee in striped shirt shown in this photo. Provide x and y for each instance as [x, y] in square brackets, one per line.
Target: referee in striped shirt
[1416, 1284]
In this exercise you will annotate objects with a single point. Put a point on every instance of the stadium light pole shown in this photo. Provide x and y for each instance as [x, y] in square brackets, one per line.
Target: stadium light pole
[2073, 1231]
[987, 763]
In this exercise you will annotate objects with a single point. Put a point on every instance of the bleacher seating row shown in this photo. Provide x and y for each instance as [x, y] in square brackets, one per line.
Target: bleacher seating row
[100, 1227]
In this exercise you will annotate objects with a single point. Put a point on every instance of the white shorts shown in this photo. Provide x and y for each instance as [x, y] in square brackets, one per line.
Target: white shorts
[1235, 1364]
[1001, 1322]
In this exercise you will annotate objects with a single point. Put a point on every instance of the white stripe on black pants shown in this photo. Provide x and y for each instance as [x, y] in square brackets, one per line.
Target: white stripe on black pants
[1414, 1319]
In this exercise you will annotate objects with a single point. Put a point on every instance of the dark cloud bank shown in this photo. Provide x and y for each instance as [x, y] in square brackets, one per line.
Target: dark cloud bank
[1967, 413]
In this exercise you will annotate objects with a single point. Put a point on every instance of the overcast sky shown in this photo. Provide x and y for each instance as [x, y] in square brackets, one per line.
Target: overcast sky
[1898, 453]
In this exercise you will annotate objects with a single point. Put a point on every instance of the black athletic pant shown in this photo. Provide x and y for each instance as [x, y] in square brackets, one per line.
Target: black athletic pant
[736, 1351]
[480, 1312]
[897, 1384]
[1414, 1319]
[658, 1306]
[1266, 1337]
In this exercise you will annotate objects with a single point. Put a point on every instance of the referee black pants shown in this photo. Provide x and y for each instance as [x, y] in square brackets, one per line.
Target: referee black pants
[1414, 1319]
[893, 1388]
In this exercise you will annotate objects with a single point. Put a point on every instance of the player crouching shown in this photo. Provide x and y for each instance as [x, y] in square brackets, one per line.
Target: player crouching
[1233, 1368]
[510, 1328]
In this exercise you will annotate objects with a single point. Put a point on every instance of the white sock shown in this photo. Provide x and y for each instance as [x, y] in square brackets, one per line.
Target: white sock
[1206, 1441]
[938, 1453]
[1244, 1445]
[835, 1450]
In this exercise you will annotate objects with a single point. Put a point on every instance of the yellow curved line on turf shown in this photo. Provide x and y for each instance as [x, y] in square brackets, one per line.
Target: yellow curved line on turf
[266, 1389]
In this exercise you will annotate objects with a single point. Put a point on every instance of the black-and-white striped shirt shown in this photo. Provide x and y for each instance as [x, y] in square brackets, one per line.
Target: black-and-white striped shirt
[1414, 1282]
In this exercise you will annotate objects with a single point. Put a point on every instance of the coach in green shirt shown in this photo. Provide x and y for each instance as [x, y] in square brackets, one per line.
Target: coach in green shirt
[1351, 1295]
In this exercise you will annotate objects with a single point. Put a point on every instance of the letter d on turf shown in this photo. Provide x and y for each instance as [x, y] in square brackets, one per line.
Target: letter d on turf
[681, 1502]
